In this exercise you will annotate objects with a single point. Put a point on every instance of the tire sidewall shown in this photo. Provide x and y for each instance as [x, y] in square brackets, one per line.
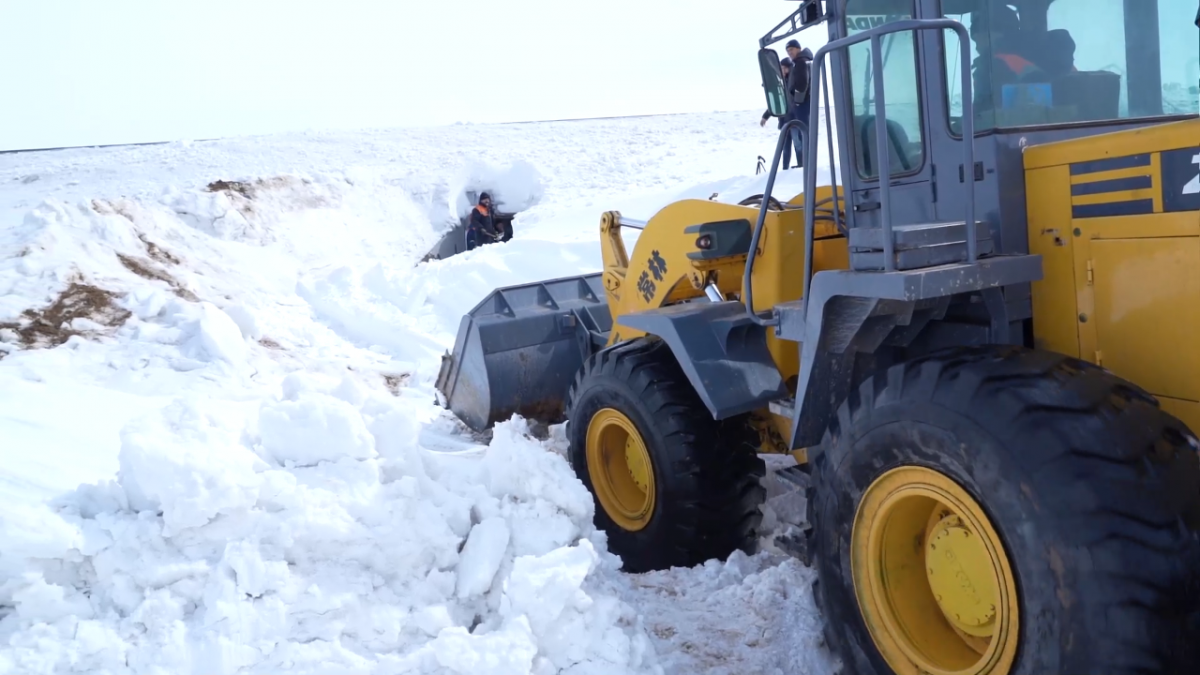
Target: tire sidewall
[610, 392]
[957, 447]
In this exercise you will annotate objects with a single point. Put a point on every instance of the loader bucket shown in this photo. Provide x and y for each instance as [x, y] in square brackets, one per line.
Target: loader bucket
[519, 350]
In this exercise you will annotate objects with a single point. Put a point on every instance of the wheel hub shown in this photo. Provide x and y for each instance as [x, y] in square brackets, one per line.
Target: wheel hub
[959, 570]
[635, 463]
[620, 469]
[933, 582]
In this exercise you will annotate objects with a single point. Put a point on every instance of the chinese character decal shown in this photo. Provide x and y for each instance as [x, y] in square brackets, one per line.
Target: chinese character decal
[658, 266]
[646, 286]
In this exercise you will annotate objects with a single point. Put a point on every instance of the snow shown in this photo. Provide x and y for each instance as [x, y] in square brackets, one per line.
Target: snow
[222, 451]
[517, 187]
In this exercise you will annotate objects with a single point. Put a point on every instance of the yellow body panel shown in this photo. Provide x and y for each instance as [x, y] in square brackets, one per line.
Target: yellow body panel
[632, 285]
[1144, 295]
[1121, 291]
[659, 273]
[1153, 138]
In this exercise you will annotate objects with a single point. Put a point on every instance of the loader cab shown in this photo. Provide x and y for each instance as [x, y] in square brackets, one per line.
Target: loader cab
[1041, 71]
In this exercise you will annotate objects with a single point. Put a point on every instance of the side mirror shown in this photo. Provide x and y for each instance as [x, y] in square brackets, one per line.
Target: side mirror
[772, 81]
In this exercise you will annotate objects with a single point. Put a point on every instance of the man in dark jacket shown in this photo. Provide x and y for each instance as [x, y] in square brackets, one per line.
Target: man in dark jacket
[797, 89]
[785, 66]
[480, 226]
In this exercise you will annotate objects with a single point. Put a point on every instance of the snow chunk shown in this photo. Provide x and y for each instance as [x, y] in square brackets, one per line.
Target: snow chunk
[246, 321]
[34, 531]
[481, 557]
[186, 465]
[40, 602]
[217, 335]
[511, 650]
[517, 187]
[321, 428]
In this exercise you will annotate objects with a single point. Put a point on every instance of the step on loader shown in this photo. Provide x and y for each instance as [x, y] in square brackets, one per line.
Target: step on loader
[979, 344]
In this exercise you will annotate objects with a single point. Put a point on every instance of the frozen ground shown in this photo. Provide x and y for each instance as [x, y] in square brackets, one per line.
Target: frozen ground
[221, 451]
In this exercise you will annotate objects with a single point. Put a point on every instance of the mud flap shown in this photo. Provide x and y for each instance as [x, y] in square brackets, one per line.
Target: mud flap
[723, 353]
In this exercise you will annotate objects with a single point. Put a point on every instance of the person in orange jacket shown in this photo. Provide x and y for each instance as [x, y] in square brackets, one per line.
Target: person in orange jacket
[997, 32]
[481, 227]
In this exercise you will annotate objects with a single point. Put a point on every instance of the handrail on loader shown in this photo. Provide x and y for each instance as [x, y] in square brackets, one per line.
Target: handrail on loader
[809, 140]
[747, 284]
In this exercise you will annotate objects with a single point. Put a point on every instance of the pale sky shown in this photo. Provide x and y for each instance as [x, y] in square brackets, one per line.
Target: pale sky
[90, 72]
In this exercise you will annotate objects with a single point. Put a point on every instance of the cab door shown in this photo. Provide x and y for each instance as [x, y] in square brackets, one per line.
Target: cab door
[911, 174]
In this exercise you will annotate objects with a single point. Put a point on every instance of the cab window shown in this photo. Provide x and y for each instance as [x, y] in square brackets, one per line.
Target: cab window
[1058, 61]
[902, 95]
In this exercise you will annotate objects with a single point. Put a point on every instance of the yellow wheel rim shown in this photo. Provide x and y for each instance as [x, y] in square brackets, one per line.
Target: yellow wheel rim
[620, 468]
[934, 584]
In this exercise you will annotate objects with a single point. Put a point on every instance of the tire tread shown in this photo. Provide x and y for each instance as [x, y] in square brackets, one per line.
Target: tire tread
[1102, 457]
[714, 479]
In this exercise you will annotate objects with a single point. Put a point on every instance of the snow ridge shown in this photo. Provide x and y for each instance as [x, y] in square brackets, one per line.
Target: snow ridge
[248, 356]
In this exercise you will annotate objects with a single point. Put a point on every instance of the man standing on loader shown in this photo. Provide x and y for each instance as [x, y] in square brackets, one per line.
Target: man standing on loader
[481, 227]
[797, 89]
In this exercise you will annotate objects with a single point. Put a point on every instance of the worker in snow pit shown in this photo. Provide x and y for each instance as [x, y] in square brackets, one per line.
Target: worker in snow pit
[481, 228]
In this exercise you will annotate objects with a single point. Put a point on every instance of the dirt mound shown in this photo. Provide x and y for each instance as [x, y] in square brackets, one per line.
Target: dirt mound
[296, 191]
[81, 309]
[147, 270]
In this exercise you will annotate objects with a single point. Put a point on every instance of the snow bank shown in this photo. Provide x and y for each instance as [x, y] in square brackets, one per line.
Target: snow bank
[513, 188]
[315, 538]
[253, 362]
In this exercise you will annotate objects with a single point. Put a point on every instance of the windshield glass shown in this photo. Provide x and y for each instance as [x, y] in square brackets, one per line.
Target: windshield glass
[1055, 61]
[901, 89]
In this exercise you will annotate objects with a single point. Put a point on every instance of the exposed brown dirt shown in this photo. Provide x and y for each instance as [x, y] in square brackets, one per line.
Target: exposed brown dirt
[243, 193]
[237, 188]
[244, 189]
[121, 207]
[146, 270]
[157, 252]
[269, 343]
[250, 189]
[50, 327]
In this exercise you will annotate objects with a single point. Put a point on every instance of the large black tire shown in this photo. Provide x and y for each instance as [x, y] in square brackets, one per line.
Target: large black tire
[1094, 491]
[707, 474]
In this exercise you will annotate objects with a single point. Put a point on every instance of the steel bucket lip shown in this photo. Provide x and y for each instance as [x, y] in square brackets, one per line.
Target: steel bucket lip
[519, 348]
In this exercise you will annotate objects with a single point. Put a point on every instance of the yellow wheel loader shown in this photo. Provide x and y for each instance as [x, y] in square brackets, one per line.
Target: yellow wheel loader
[977, 344]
